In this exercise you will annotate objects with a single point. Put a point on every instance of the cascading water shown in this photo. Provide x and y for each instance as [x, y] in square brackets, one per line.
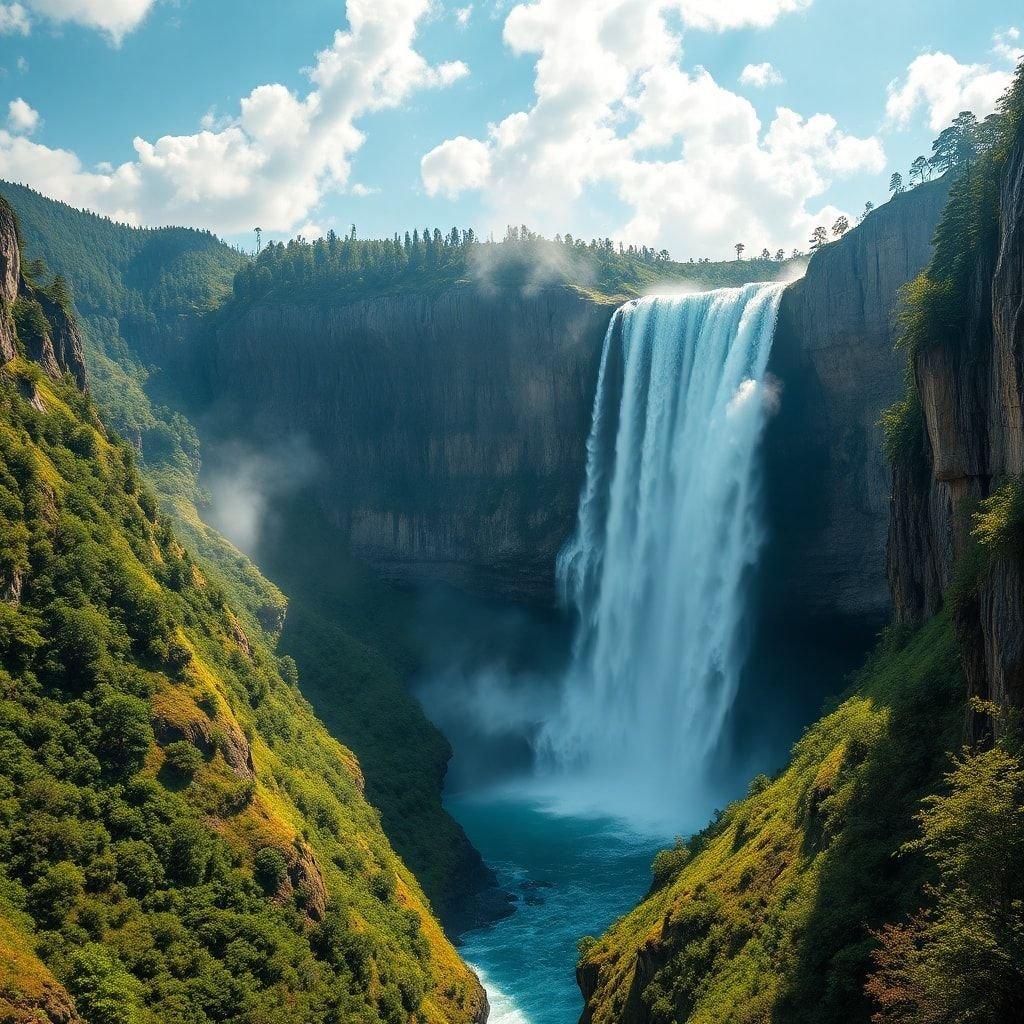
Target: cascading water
[669, 527]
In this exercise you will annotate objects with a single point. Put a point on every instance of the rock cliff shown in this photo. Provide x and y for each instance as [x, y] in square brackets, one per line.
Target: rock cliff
[451, 429]
[965, 455]
[835, 356]
[51, 338]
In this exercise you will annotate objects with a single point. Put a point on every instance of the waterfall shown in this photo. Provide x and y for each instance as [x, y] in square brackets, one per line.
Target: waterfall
[669, 527]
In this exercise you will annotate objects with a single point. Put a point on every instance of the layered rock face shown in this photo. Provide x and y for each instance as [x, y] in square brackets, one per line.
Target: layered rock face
[58, 348]
[449, 431]
[970, 386]
[834, 355]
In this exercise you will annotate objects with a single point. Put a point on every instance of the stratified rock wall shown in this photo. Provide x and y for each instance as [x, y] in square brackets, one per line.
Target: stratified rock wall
[835, 358]
[449, 431]
[970, 384]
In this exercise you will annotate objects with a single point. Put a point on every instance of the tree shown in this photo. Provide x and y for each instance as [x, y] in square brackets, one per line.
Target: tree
[270, 869]
[765, 254]
[841, 226]
[739, 247]
[819, 238]
[963, 958]
[920, 171]
[124, 730]
[896, 186]
[957, 146]
[868, 207]
[259, 239]
[780, 255]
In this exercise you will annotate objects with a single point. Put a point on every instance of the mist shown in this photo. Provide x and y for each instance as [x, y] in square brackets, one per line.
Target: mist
[242, 484]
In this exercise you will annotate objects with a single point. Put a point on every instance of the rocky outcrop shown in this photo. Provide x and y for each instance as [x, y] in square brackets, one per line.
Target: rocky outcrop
[970, 383]
[173, 723]
[10, 279]
[448, 431]
[827, 482]
[58, 349]
[61, 350]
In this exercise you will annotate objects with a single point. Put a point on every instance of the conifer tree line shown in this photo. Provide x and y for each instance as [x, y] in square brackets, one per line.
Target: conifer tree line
[954, 151]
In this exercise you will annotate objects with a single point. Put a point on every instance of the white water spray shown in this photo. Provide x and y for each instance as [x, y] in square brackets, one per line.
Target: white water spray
[669, 527]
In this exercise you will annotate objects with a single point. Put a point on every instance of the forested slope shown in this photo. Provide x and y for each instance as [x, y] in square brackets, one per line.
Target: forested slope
[180, 838]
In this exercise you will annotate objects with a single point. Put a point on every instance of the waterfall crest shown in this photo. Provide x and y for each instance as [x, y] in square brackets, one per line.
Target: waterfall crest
[669, 526]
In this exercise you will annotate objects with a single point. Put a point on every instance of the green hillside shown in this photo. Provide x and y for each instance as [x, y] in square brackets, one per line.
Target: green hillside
[180, 839]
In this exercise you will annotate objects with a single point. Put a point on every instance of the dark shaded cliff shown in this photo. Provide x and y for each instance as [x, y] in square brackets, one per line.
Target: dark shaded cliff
[449, 430]
[835, 356]
[958, 510]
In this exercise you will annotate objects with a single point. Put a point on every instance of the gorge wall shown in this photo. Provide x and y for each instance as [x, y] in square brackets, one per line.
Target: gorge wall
[963, 451]
[46, 329]
[835, 356]
[451, 429]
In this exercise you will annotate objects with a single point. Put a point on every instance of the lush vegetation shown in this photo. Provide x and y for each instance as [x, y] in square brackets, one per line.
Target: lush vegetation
[342, 269]
[180, 839]
[936, 305]
[765, 915]
[151, 291]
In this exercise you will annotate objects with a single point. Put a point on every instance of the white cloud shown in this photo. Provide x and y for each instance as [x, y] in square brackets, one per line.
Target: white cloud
[462, 15]
[691, 161]
[760, 76]
[941, 86]
[14, 20]
[116, 18]
[455, 165]
[22, 65]
[21, 118]
[271, 163]
[361, 191]
[1008, 46]
[723, 14]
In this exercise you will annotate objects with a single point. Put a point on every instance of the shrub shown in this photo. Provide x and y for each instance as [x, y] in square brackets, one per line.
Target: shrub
[138, 867]
[270, 869]
[183, 759]
[125, 730]
[190, 853]
[668, 863]
[105, 993]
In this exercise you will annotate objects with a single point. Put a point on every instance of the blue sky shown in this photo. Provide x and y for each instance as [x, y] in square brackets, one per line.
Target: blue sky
[621, 117]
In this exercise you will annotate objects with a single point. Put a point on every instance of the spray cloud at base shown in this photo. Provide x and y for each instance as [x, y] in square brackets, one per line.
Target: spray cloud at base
[657, 574]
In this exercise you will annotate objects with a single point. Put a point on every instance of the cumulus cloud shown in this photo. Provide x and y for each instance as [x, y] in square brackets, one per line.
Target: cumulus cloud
[938, 84]
[615, 109]
[462, 15]
[14, 20]
[455, 165]
[21, 118]
[273, 161]
[760, 76]
[114, 17]
[1009, 46]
